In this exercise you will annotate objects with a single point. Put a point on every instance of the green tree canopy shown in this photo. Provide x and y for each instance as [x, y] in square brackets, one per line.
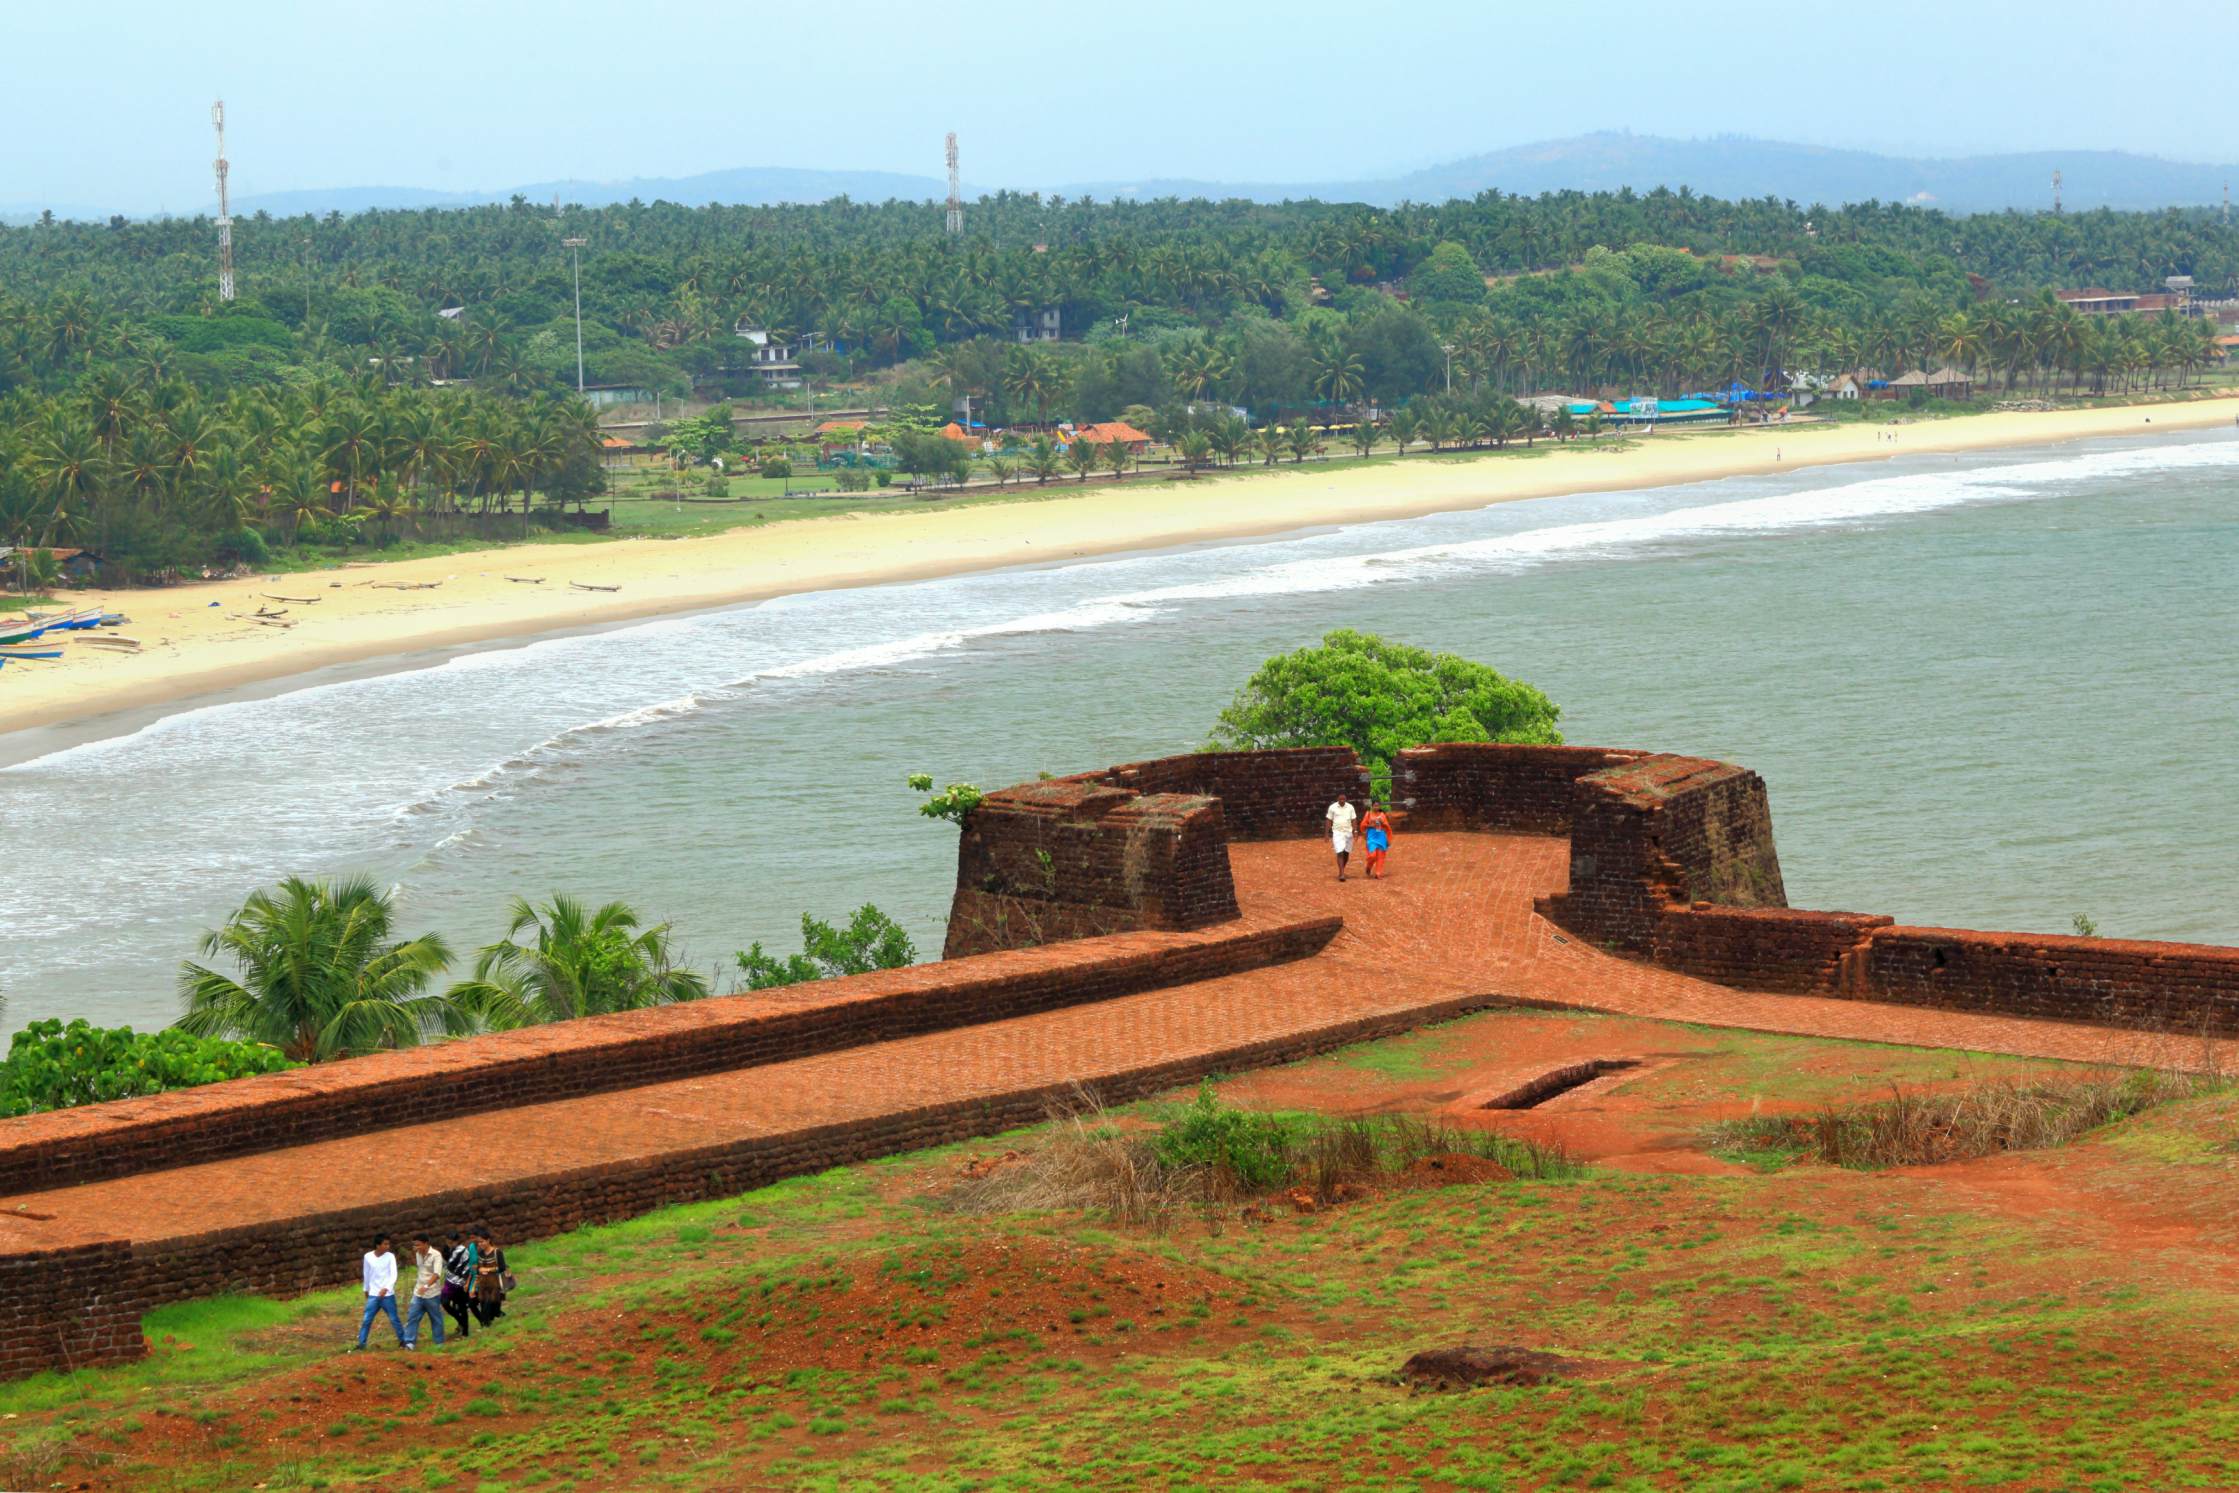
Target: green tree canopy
[1379, 698]
[319, 975]
[1449, 277]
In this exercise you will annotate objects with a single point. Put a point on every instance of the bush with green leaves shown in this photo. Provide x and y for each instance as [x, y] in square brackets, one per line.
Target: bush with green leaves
[953, 803]
[53, 1066]
[870, 941]
[1255, 1149]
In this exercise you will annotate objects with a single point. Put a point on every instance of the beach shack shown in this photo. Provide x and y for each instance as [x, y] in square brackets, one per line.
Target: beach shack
[1106, 432]
[1946, 382]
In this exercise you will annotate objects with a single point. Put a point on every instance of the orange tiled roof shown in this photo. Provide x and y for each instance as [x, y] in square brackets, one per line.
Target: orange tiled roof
[1108, 432]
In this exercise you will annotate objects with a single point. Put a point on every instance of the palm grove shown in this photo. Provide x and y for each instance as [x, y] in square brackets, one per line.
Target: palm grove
[401, 371]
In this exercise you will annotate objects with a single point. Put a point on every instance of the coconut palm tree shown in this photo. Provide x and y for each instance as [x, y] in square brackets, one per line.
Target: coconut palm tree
[1117, 455]
[1043, 459]
[318, 975]
[578, 962]
[1081, 457]
[1404, 428]
[1196, 449]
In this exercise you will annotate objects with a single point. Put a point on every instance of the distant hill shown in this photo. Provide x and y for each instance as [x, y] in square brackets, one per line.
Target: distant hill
[1725, 166]
[1738, 167]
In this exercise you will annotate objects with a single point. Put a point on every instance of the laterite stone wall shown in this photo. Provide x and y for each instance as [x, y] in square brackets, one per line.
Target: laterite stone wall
[2189, 989]
[1481, 787]
[567, 1059]
[68, 1300]
[1277, 795]
[1044, 862]
[1661, 831]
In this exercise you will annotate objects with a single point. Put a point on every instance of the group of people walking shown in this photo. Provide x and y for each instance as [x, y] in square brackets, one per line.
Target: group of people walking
[1375, 828]
[466, 1280]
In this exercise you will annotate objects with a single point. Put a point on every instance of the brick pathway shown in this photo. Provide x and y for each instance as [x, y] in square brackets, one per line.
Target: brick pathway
[1453, 924]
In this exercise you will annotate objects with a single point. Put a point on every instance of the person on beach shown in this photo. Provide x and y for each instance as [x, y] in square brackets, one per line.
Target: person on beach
[490, 1280]
[1341, 816]
[380, 1292]
[1376, 834]
[427, 1292]
[458, 1281]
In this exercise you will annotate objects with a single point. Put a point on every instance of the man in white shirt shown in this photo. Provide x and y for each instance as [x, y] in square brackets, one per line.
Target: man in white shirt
[380, 1291]
[427, 1293]
[1341, 816]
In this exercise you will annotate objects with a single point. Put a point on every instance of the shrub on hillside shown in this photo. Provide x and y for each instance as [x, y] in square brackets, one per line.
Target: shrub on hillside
[1252, 1148]
[53, 1066]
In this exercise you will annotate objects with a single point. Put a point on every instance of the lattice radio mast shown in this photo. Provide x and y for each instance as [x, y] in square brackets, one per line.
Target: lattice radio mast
[955, 194]
[2056, 194]
[225, 216]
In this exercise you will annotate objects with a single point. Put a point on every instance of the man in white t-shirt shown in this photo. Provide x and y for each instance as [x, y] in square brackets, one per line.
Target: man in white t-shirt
[1341, 816]
[379, 1274]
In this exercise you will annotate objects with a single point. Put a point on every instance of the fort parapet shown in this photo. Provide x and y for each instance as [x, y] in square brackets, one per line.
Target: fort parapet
[1101, 936]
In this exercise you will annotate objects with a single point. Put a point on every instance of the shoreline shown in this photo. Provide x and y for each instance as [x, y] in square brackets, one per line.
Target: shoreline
[199, 642]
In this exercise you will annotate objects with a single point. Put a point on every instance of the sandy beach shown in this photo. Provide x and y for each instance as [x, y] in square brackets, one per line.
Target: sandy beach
[199, 639]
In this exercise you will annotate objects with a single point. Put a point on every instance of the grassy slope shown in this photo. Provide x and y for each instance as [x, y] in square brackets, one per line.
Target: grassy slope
[1812, 1329]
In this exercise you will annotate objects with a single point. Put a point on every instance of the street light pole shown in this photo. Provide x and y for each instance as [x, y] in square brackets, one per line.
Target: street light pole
[575, 247]
[1448, 349]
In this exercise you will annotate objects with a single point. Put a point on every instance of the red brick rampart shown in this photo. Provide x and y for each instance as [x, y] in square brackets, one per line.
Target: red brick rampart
[600, 1053]
[1657, 832]
[320, 1249]
[1672, 860]
[1277, 795]
[1478, 787]
[1072, 858]
[2179, 987]
[68, 1299]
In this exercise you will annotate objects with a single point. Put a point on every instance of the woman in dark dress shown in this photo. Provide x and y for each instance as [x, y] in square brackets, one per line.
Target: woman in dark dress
[490, 1280]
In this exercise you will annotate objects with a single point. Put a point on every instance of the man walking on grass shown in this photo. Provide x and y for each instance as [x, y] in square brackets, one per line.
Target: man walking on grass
[427, 1292]
[1341, 815]
[380, 1291]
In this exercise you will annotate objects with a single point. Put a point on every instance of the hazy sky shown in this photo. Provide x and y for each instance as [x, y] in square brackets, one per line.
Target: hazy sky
[106, 106]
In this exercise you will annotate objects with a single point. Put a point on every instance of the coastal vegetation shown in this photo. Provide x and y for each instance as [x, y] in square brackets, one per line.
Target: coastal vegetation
[408, 374]
[317, 974]
[870, 941]
[53, 1066]
[578, 961]
[1357, 690]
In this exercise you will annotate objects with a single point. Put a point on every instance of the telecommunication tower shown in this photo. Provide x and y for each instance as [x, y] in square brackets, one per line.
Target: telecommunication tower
[2056, 194]
[955, 194]
[225, 217]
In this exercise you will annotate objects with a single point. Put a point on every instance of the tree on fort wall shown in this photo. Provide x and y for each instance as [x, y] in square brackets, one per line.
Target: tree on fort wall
[1379, 698]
